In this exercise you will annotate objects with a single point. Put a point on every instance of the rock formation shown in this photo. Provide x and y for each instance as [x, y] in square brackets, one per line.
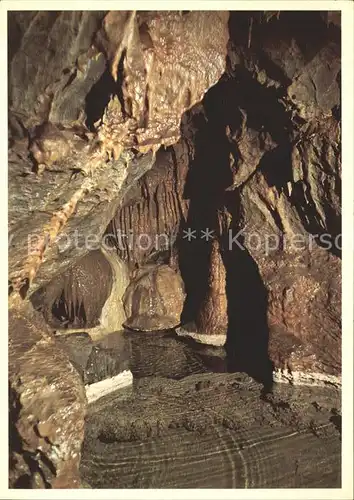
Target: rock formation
[141, 133]
[92, 96]
[212, 315]
[140, 46]
[87, 296]
[290, 209]
[207, 437]
[146, 226]
[86, 165]
[75, 298]
[47, 406]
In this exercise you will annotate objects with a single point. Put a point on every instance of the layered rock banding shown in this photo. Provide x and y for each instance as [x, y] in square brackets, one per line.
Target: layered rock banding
[281, 441]
[90, 102]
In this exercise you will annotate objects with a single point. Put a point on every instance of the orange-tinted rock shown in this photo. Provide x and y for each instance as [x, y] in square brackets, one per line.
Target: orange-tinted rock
[47, 406]
[154, 299]
[304, 314]
[76, 297]
[148, 49]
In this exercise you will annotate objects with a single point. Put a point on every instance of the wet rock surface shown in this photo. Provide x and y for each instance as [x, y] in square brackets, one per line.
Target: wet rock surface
[154, 299]
[227, 466]
[284, 439]
[160, 354]
[187, 49]
[47, 407]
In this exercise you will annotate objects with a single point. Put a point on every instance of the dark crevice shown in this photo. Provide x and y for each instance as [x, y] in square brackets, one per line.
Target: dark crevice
[145, 118]
[69, 315]
[59, 311]
[211, 165]
[248, 334]
[308, 29]
[273, 71]
[70, 80]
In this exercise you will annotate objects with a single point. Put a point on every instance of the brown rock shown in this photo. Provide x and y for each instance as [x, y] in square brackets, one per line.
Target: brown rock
[113, 316]
[76, 298]
[315, 91]
[47, 406]
[154, 299]
[251, 146]
[212, 316]
[53, 216]
[49, 75]
[147, 223]
[49, 145]
[304, 314]
[87, 297]
[301, 273]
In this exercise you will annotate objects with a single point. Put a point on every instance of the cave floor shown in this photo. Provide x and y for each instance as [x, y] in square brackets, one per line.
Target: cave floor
[187, 423]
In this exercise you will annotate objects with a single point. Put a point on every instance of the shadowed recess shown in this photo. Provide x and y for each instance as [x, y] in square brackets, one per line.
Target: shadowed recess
[75, 298]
